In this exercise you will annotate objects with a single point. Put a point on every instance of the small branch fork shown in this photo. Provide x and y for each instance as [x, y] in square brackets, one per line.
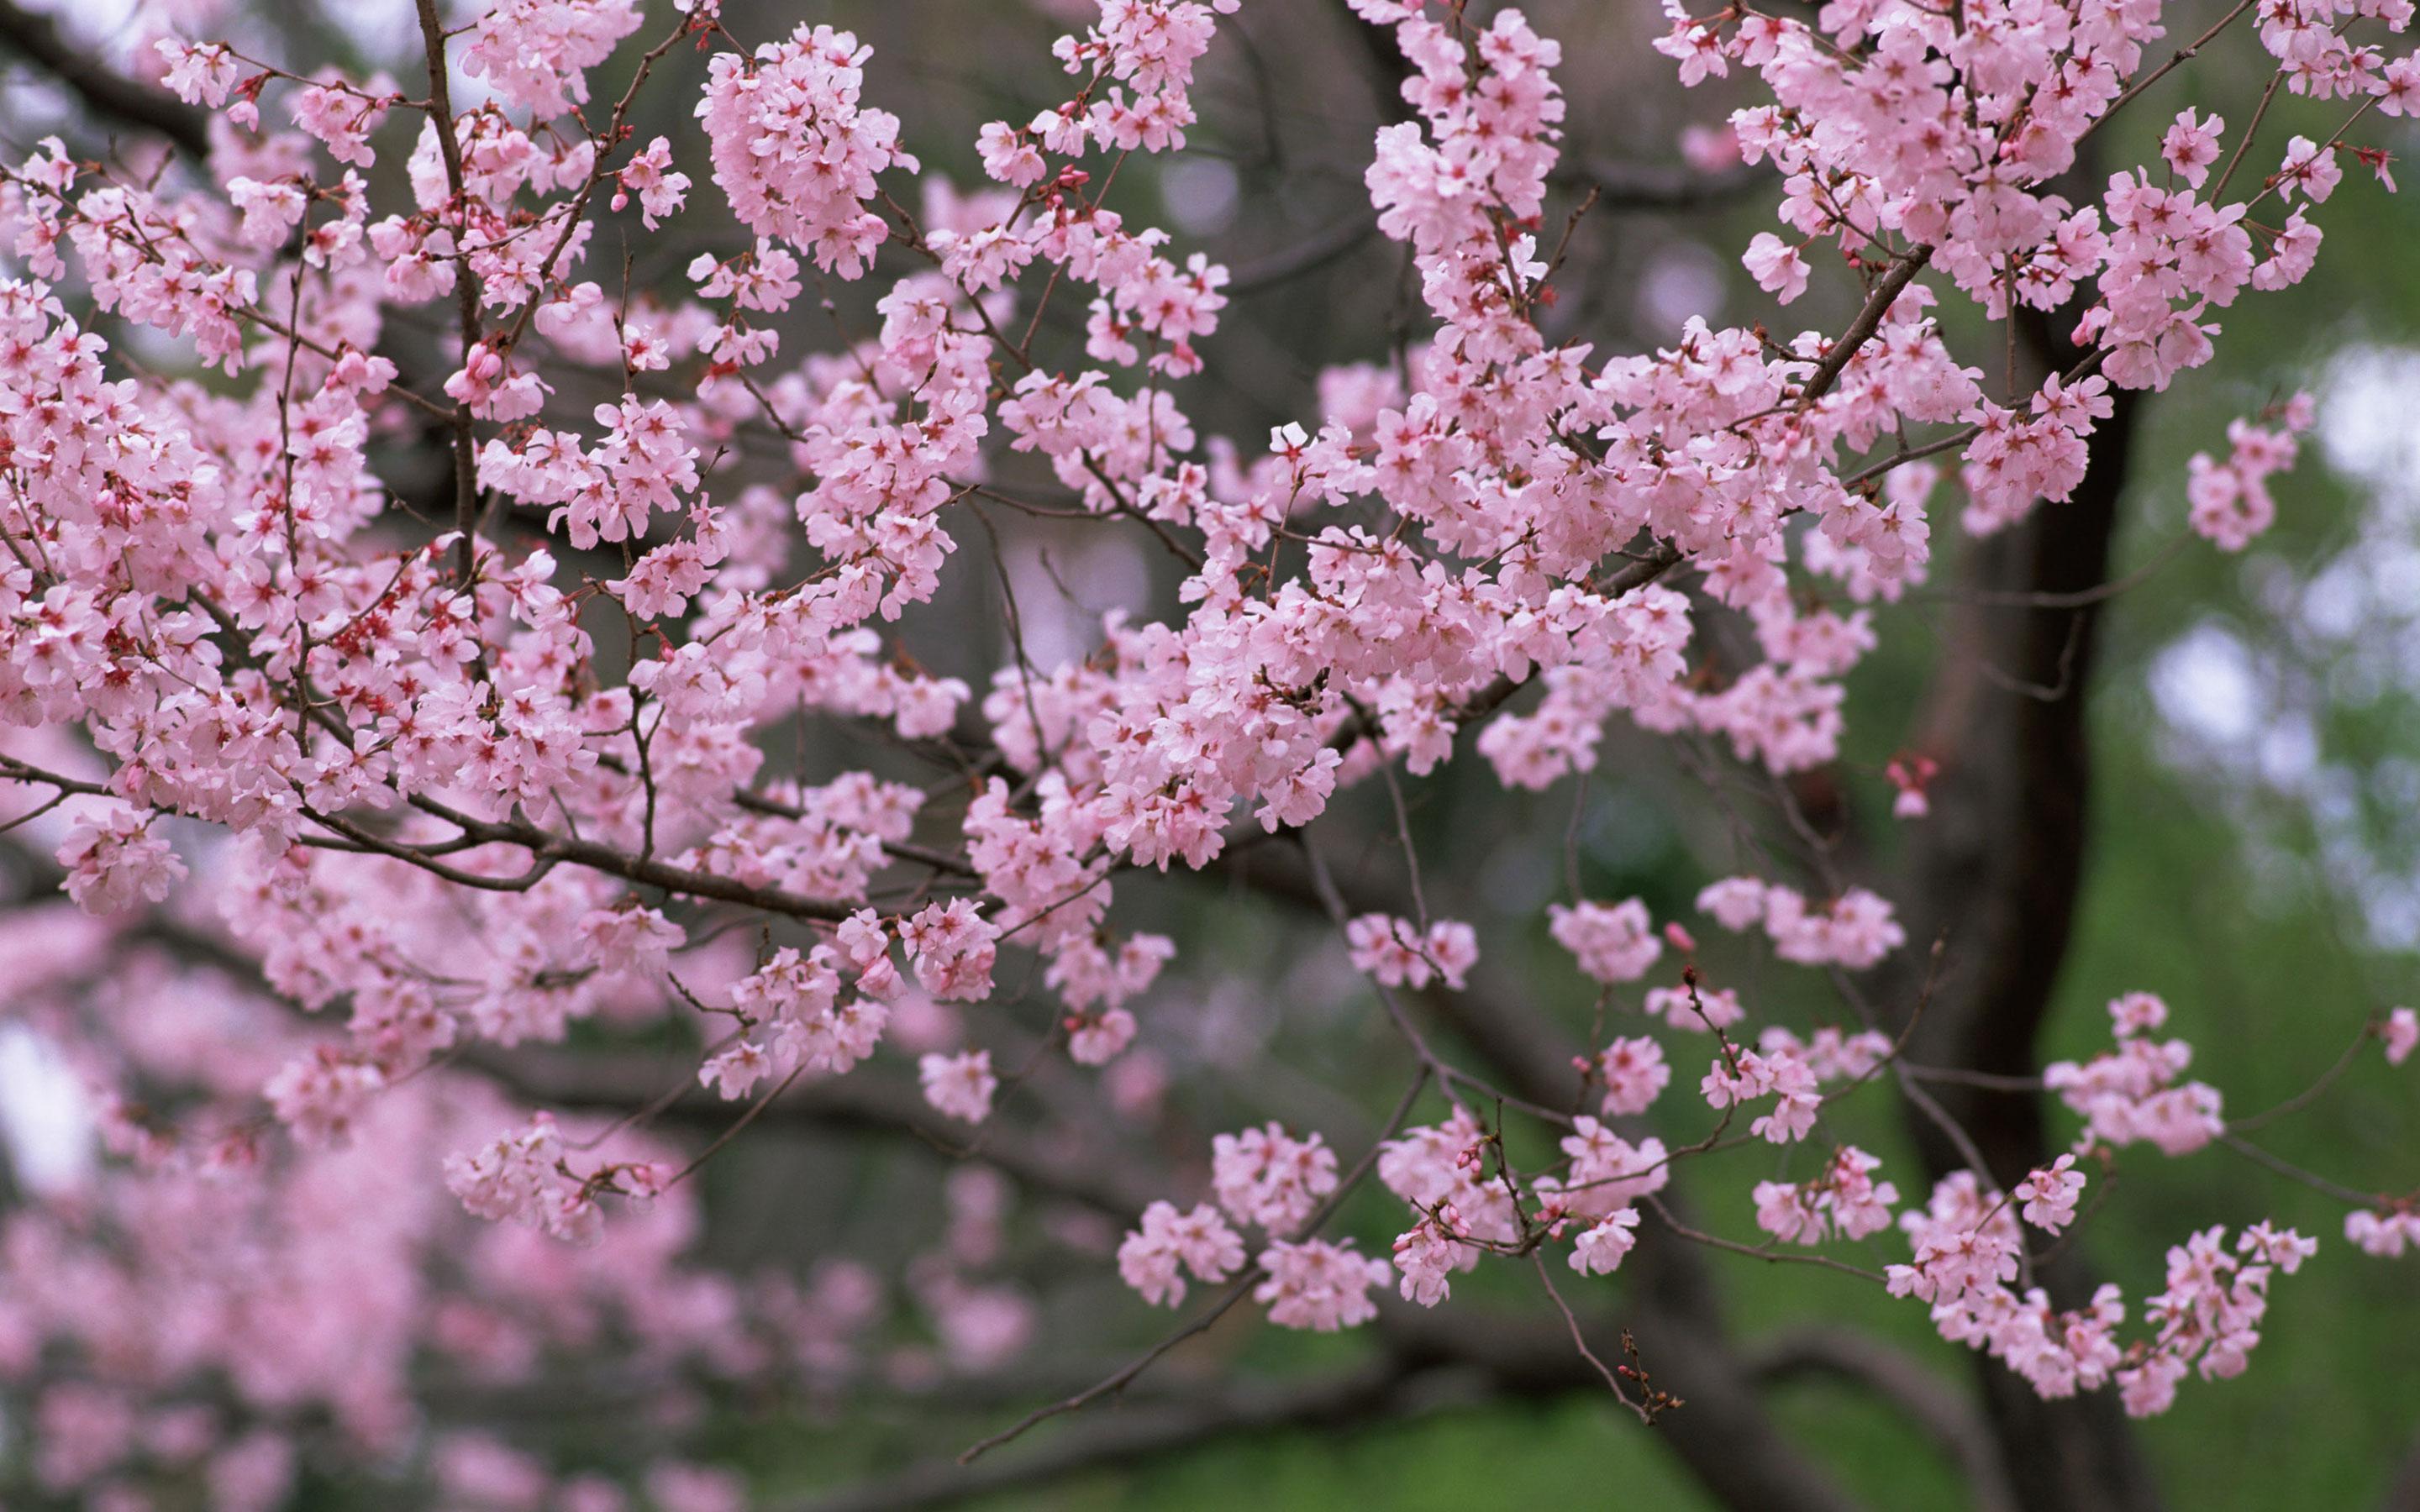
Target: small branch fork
[1236, 1291]
[466, 285]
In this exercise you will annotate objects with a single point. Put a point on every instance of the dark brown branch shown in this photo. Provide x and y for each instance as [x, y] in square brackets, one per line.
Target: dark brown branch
[547, 847]
[1616, 186]
[1924, 1398]
[1656, 186]
[1307, 257]
[1435, 1359]
[859, 1102]
[1997, 869]
[1141, 1433]
[2403, 1492]
[466, 287]
[103, 91]
[1835, 361]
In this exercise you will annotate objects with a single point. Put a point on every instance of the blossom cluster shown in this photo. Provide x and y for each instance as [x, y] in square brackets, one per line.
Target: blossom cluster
[2132, 1093]
[471, 789]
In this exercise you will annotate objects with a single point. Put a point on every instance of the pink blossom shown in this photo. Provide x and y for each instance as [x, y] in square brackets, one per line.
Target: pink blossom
[1735, 902]
[1704, 1009]
[1607, 1171]
[1267, 1177]
[115, 862]
[1855, 930]
[522, 1176]
[1845, 1196]
[1613, 943]
[1317, 1285]
[1634, 1074]
[319, 1095]
[199, 73]
[650, 176]
[464, 806]
[954, 948]
[1397, 953]
[1775, 266]
[1426, 1259]
[2192, 145]
[676, 1486]
[536, 55]
[2050, 1195]
[2134, 1094]
[960, 1086]
[2230, 500]
[2401, 1033]
[1155, 1257]
[2383, 1232]
[1600, 1247]
[630, 941]
[796, 151]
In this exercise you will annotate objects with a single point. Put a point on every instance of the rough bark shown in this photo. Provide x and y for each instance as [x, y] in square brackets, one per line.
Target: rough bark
[1995, 872]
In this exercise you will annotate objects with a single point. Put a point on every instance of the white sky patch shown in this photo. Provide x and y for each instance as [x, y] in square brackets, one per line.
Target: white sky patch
[387, 32]
[46, 1117]
[2206, 686]
[1060, 602]
[2343, 633]
[382, 29]
[90, 18]
[1682, 279]
[2365, 425]
[1200, 194]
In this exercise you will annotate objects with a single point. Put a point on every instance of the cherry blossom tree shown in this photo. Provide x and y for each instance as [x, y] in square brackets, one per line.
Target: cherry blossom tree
[486, 762]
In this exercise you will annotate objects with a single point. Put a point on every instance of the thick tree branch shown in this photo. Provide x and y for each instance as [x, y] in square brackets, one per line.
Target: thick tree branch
[103, 91]
[1141, 1433]
[1996, 870]
[466, 440]
[1658, 186]
[859, 1102]
[1923, 1397]
[2403, 1492]
[1886, 293]
[1435, 1360]
[1304, 257]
